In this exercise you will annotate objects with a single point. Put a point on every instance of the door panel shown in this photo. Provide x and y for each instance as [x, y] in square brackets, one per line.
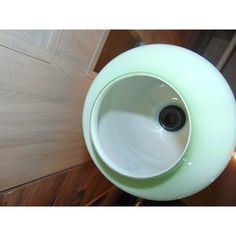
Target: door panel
[40, 44]
[41, 108]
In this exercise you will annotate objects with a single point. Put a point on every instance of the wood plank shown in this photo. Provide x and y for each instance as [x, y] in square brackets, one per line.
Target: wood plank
[75, 181]
[97, 185]
[38, 193]
[112, 197]
[1, 199]
[81, 185]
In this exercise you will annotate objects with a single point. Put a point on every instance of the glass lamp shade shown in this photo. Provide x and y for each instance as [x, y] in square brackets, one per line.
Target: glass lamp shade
[133, 100]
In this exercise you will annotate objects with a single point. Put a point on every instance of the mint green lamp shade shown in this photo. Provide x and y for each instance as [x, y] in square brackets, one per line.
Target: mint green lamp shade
[159, 122]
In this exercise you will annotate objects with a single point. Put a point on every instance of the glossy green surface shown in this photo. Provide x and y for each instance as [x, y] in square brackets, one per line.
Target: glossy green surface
[212, 112]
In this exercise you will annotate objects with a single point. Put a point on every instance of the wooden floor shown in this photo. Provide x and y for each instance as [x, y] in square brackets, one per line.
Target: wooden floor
[81, 185]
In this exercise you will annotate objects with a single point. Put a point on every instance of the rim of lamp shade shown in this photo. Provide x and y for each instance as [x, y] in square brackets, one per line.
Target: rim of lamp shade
[211, 106]
[95, 138]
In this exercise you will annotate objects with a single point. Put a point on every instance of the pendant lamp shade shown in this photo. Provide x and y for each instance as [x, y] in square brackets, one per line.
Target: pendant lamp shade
[159, 122]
